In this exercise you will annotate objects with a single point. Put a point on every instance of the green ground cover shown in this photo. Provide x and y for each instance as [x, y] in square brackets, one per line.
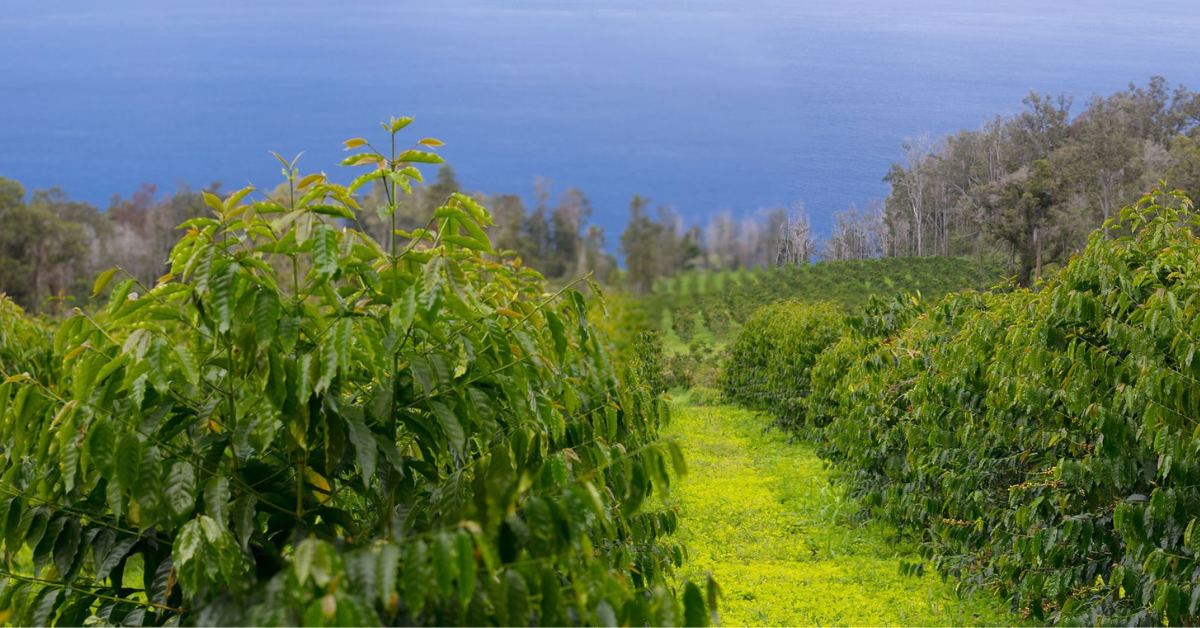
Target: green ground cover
[762, 515]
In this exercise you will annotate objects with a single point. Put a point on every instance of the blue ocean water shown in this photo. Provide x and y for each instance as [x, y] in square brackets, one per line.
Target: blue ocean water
[704, 105]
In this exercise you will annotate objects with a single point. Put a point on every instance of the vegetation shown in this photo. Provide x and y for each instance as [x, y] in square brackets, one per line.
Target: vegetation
[1038, 444]
[1027, 189]
[298, 424]
[768, 366]
[728, 299]
[765, 518]
[382, 403]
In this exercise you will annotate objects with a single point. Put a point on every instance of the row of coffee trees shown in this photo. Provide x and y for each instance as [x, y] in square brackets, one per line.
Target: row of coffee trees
[1039, 443]
[301, 424]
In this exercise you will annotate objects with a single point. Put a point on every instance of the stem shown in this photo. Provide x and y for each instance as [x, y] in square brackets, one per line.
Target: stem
[395, 202]
[300, 492]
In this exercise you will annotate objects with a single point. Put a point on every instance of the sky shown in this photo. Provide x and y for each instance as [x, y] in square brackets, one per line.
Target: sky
[704, 106]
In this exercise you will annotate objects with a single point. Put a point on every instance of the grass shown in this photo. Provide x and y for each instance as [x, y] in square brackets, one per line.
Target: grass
[763, 516]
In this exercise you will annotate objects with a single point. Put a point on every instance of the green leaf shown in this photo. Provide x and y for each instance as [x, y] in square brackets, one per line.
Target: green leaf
[224, 297]
[366, 453]
[385, 574]
[102, 447]
[400, 180]
[694, 611]
[420, 157]
[216, 500]
[353, 160]
[477, 211]
[180, 489]
[404, 309]
[325, 252]
[465, 551]
[46, 601]
[678, 462]
[147, 488]
[416, 577]
[445, 565]
[314, 558]
[518, 598]
[337, 211]
[162, 581]
[214, 202]
[187, 364]
[119, 293]
[244, 510]
[558, 333]
[470, 244]
[430, 300]
[137, 344]
[450, 424]
[362, 180]
[102, 281]
[266, 317]
[129, 458]
[43, 544]
[66, 549]
[399, 123]
[233, 199]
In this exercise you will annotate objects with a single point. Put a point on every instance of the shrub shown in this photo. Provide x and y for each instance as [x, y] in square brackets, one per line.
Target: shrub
[768, 366]
[1040, 444]
[683, 321]
[648, 360]
[25, 345]
[301, 425]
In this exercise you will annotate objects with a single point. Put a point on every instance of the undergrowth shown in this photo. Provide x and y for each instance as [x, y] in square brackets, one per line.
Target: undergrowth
[762, 515]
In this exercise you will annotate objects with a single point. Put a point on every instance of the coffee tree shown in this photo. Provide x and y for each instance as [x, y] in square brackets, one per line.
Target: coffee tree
[769, 364]
[1041, 444]
[298, 424]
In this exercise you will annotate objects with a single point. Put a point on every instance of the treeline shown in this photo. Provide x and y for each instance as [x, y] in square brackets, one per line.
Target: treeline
[52, 248]
[1027, 189]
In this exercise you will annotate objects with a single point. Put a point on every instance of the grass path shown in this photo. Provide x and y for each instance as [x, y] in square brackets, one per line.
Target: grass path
[763, 517]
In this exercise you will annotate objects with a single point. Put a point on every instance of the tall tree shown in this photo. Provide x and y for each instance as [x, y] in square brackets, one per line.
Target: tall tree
[43, 247]
[1023, 211]
[639, 245]
[796, 242]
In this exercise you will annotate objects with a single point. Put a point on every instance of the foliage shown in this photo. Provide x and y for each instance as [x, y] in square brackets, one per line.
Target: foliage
[648, 360]
[25, 345]
[410, 434]
[43, 245]
[768, 366]
[726, 300]
[1027, 188]
[763, 516]
[683, 322]
[1040, 444]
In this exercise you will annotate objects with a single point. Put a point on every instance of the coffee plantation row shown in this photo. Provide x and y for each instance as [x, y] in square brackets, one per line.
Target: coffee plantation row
[1039, 444]
[300, 425]
[722, 301]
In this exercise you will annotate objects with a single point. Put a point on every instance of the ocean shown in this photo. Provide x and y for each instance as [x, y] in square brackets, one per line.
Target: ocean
[705, 106]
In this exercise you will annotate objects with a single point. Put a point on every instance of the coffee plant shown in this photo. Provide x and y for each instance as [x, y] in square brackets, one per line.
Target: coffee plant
[25, 345]
[1041, 444]
[300, 425]
[768, 366]
[727, 299]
